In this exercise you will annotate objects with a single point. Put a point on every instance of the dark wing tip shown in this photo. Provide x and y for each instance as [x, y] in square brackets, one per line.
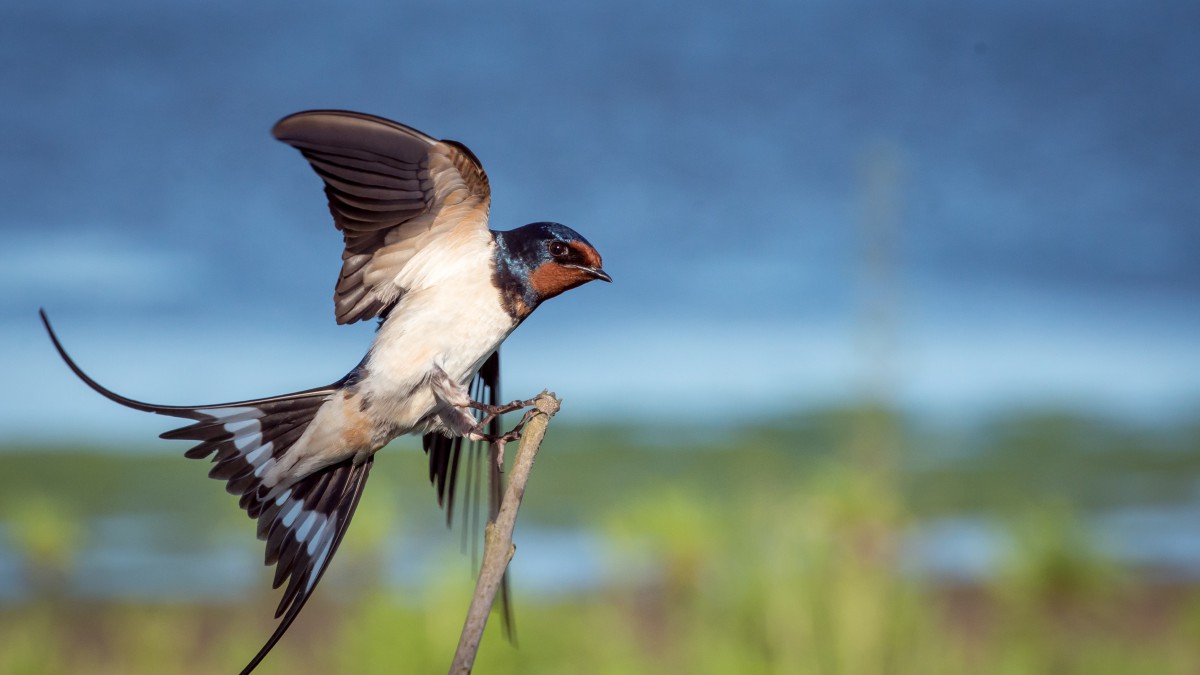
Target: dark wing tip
[465, 150]
[351, 130]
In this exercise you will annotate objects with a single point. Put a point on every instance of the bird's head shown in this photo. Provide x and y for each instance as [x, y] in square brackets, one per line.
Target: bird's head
[541, 260]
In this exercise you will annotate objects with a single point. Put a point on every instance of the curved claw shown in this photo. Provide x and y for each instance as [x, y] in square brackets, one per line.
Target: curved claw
[513, 434]
[491, 412]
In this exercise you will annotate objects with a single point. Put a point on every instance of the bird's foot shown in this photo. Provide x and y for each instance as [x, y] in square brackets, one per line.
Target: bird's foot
[478, 432]
[491, 412]
[498, 442]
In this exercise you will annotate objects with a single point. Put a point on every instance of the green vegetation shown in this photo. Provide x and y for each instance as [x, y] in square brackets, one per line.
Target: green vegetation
[765, 549]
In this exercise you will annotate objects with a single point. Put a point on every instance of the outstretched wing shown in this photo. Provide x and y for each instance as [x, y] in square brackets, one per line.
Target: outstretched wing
[445, 458]
[391, 190]
[302, 523]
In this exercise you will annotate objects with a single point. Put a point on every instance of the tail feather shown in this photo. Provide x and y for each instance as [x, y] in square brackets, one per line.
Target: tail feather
[446, 455]
[319, 528]
[304, 523]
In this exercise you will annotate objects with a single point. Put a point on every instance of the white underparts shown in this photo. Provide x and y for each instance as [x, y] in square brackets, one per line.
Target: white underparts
[448, 320]
[437, 337]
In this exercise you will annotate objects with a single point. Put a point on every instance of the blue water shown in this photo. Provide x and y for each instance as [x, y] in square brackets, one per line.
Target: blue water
[1036, 165]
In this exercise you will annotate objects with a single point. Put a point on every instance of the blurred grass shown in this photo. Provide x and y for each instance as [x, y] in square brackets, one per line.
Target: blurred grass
[768, 548]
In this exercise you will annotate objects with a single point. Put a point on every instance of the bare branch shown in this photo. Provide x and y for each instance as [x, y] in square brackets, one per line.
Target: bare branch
[498, 547]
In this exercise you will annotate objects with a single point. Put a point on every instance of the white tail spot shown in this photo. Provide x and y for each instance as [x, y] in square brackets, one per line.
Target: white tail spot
[247, 441]
[232, 414]
[302, 531]
[316, 538]
[257, 455]
[237, 426]
[291, 515]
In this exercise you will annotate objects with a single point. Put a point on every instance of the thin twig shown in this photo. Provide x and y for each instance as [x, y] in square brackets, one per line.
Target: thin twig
[498, 547]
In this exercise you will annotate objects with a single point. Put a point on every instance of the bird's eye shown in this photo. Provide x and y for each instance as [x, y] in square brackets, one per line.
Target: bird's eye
[558, 249]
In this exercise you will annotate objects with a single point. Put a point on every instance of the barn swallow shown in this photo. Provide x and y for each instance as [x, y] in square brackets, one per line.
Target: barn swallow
[419, 256]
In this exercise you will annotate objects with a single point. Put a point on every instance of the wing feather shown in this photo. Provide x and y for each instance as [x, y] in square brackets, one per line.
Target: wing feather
[387, 185]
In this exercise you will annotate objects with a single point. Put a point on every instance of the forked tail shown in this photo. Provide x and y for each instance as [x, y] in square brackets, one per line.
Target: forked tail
[304, 522]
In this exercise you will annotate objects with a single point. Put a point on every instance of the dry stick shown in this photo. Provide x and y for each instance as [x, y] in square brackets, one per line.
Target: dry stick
[498, 547]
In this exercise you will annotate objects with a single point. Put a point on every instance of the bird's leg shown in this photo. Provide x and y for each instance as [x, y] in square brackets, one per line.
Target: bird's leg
[498, 442]
[457, 401]
[479, 433]
[491, 412]
[463, 423]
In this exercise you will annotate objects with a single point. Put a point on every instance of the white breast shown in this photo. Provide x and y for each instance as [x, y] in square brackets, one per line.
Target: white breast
[450, 315]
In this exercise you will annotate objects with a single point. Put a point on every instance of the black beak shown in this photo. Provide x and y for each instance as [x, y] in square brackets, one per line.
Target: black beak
[593, 272]
[599, 274]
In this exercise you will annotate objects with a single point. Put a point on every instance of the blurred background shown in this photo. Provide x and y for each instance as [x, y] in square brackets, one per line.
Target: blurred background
[900, 372]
